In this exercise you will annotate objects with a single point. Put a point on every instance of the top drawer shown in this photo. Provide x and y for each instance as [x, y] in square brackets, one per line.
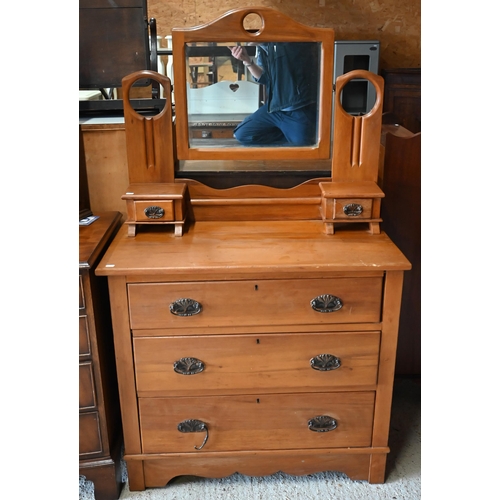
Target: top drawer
[255, 303]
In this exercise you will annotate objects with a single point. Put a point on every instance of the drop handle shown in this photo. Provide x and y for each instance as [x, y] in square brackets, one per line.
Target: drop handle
[189, 366]
[353, 209]
[185, 307]
[326, 303]
[325, 362]
[193, 425]
[154, 212]
[322, 423]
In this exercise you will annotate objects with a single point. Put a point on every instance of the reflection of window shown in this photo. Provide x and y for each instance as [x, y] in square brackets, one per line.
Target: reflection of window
[210, 63]
[202, 71]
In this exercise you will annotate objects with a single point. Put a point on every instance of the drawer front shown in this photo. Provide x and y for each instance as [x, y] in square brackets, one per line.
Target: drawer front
[236, 364]
[81, 295]
[90, 434]
[350, 209]
[258, 422]
[256, 303]
[158, 211]
[87, 397]
[83, 337]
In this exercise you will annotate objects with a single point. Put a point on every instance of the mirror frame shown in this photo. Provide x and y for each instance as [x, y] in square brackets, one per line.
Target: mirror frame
[276, 27]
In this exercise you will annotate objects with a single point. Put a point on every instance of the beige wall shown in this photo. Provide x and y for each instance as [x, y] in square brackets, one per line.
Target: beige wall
[395, 23]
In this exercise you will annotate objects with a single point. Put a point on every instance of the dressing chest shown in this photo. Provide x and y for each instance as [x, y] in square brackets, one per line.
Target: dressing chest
[257, 339]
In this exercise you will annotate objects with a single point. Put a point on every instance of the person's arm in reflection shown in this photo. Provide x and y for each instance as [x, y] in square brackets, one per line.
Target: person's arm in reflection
[239, 52]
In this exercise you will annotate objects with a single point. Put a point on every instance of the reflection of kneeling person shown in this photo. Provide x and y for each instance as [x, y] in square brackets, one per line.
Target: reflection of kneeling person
[289, 72]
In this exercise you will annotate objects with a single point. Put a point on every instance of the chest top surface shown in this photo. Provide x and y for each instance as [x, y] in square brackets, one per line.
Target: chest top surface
[231, 249]
[92, 238]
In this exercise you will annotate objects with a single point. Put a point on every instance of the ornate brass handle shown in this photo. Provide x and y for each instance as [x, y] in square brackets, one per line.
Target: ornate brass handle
[322, 423]
[189, 366]
[185, 307]
[193, 425]
[154, 212]
[353, 209]
[326, 303]
[325, 362]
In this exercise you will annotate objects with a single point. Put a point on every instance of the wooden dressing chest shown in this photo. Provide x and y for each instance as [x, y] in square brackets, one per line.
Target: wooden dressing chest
[259, 376]
[262, 337]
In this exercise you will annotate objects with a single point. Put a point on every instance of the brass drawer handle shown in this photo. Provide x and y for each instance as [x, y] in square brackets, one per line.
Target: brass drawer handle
[154, 212]
[325, 362]
[353, 209]
[193, 425]
[185, 307]
[189, 366]
[326, 303]
[322, 423]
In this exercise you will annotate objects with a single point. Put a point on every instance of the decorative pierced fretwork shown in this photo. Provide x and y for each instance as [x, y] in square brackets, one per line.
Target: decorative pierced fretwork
[185, 307]
[193, 425]
[189, 366]
[322, 423]
[326, 303]
[353, 209]
[154, 212]
[325, 362]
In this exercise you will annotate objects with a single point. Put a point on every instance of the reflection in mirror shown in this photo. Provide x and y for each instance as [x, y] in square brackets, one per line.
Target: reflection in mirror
[252, 94]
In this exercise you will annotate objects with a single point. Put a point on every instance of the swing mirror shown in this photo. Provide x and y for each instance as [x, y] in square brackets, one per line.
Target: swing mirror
[215, 92]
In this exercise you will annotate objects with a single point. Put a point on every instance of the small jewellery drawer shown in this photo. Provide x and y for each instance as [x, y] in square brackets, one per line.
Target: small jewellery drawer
[157, 210]
[255, 303]
[236, 364]
[256, 422]
[350, 208]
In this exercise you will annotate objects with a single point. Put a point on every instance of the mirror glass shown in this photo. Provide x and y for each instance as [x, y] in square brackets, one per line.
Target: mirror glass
[249, 94]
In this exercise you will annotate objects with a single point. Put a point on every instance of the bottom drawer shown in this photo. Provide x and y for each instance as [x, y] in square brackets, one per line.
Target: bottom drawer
[90, 434]
[258, 422]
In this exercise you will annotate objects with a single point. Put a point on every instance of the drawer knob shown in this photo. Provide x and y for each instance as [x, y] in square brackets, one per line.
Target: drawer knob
[193, 425]
[185, 307]
[325, 362]
[189, 366]
[322, 423]
[154, 212]
[326, 303]
[353, 209]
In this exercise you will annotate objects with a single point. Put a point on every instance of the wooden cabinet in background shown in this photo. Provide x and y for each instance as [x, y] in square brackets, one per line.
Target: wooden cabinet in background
[401, 220]
[99, 421]
[105, 156]
[402, 97]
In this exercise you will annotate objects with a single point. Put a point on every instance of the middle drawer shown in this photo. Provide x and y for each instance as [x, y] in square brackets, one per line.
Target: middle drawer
[235, 364]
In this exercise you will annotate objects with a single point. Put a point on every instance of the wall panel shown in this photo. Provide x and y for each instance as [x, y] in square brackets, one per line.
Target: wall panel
[395, 23]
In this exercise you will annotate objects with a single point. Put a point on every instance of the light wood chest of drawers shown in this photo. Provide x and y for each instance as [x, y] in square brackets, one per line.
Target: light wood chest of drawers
[254, 347]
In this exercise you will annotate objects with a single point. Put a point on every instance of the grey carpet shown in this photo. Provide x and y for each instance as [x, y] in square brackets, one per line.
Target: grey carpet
[402, 483]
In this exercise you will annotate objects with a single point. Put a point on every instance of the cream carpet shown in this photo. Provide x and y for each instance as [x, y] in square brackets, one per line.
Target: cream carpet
[402, 483]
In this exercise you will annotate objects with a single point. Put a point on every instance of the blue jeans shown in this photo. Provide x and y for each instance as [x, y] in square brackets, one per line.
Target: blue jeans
[281, 128]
